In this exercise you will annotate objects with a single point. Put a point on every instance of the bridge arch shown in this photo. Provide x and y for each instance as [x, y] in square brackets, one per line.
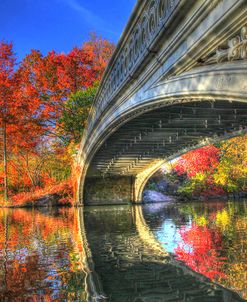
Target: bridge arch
[205, 104]
[179, 67]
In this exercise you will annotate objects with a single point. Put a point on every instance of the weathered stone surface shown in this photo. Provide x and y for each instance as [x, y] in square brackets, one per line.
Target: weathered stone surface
[101, 191]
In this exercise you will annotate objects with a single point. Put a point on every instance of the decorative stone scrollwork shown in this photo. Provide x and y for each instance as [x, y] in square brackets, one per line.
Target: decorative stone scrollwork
[152, 25]
[236, 49]
[161, 10]
[171, 4]
[137, 43]
[126, 61]
[144, 34]
[152, 19]
[238, 46]
[131, 54]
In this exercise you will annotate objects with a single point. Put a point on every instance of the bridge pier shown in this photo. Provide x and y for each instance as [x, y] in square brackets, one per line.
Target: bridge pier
[108, 190]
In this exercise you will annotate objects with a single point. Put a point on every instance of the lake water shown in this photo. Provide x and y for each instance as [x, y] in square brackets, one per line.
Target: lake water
[147, 253]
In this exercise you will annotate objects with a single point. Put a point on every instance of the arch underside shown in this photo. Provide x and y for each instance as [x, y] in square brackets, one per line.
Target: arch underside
[137, 149]
[159, 122]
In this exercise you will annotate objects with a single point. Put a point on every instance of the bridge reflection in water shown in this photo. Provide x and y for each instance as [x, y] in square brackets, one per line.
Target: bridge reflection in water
[122, 253]
[133, 266]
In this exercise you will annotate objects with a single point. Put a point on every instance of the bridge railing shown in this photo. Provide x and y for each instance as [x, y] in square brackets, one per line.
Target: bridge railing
[147, 22]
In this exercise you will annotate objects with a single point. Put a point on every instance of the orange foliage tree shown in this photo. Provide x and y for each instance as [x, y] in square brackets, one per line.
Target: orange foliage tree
[33, 98]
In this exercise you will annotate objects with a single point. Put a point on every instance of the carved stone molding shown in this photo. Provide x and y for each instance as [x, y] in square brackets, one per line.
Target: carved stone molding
[235, 49]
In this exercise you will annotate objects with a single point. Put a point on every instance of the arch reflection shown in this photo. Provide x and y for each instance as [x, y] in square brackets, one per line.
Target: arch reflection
[115, 253]
[132, 262]
[209, 238]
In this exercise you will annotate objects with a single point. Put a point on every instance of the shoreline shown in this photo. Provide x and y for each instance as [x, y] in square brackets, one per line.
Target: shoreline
[175, 200]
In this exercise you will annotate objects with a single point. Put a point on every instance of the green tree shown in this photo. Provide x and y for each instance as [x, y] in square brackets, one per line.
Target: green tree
[74, 118]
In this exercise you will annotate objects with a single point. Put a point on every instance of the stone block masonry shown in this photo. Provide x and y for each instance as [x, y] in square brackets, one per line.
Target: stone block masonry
[110, 190]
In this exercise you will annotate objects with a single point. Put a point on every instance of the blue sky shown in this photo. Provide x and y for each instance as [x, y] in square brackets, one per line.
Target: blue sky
[60, 24]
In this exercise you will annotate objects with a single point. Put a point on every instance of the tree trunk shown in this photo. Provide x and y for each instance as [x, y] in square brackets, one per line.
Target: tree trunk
[5, 162]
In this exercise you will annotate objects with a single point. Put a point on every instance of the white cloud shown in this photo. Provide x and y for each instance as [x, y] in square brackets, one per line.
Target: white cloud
[88, 16]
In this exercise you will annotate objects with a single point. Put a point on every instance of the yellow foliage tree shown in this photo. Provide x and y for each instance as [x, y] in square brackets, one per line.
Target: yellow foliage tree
[231, 173]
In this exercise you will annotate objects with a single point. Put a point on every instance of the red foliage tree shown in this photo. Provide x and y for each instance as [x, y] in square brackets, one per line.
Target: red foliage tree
[205, 159]
[50, 80]
[7, 88]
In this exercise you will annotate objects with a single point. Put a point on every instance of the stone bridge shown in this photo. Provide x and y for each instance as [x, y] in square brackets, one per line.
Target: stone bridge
[177, 81]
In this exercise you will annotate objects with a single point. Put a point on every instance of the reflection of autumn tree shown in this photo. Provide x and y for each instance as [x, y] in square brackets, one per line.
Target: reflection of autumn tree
[200, 250]
[43, 256]
[236, 267]
[216, 244]
[22, 276]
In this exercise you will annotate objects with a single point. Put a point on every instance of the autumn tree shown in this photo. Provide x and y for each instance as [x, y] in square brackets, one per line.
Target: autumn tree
[7, 84]
[214, 170]
[53, 79]
[205, 159]
[44, 104]
[231, 173]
